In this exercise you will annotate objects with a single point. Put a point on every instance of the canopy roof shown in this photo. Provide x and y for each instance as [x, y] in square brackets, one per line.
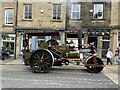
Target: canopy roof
[39, 31]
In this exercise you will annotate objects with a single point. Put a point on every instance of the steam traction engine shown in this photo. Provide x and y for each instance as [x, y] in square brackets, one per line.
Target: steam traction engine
[42, 59]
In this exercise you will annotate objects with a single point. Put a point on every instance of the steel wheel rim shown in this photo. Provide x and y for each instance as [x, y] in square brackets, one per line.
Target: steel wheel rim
[41, 61]
[92, 69]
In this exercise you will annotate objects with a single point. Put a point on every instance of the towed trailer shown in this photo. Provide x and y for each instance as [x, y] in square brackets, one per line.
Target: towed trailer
[42, 59]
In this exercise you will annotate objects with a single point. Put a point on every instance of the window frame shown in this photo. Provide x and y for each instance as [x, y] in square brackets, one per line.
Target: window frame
[24, 12]
[7, 17]
[79, 11]
[95, 11]
[56, 13]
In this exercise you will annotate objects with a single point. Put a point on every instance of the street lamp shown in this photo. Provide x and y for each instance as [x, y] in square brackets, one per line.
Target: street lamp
[91, 10]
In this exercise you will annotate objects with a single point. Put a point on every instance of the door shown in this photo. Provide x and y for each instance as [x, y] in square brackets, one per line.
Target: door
[92, 39]
[105, 46]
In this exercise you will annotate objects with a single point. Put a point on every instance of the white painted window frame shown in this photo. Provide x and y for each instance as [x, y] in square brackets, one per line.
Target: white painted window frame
[95, 11]
[79, 11]
[56, 11]
[7, 16]
[28, 5]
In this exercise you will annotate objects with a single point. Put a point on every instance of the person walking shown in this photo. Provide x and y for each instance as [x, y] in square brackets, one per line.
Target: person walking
[109, 55]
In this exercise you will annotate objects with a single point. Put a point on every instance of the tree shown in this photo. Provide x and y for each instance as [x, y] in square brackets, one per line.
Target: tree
[4, 35]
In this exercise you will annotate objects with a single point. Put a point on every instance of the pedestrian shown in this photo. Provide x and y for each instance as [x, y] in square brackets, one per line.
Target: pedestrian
[3, 52]
[7, 54]
[109, 56]
[117, 56]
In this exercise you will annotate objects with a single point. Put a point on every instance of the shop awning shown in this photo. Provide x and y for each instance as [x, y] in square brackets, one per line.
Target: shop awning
[98, 31]
[39, 31]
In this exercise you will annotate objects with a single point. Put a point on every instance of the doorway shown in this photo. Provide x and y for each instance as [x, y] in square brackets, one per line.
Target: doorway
[105, 45]
[92, 39]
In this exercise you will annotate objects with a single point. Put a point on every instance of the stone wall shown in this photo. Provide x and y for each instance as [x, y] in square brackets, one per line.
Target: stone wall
[6, 28]
[114, 25]
[41, 19]
[86, 19]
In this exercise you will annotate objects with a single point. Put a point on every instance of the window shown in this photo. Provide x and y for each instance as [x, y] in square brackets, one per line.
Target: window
[98, 11]
[75, 12]
[9, 14]
[9, 43]
[56, 11]
[27, 12]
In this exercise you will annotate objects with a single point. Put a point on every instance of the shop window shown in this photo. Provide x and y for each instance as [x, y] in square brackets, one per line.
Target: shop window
[8, 39]
[9, 43]
[9, 46]
[12, 38]
[106, 38]
[72, 35]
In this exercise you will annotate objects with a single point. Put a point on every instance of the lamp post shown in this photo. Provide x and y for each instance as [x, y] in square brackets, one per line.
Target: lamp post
[79, 39]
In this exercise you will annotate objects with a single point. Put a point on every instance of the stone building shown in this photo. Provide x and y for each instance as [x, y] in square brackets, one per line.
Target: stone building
[37, 16]
[93, 20]
[98, 21]
[32, 16]
[115, 24]
[7, 22]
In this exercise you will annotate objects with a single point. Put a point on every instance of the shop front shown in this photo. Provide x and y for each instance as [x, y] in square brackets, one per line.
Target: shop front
[101, 39]
[9, 43]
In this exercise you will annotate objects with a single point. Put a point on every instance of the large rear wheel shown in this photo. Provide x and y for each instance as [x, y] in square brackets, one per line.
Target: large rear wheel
[41, 60]
[93, 69]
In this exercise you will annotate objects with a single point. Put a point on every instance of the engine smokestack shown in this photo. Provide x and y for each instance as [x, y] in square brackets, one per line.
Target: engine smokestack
[79, 39]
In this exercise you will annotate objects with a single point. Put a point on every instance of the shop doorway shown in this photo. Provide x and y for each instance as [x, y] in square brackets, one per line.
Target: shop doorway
[105, 45]
[92, 39]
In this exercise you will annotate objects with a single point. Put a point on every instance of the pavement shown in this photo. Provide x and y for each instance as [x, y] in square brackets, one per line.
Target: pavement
[111, 71]
[11, 62]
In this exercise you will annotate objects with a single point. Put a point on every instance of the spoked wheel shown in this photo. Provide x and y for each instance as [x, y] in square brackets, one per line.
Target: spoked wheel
[93, 69]
[41, 60]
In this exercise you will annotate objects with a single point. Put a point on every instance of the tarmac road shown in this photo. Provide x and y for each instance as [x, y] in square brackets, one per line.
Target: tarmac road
[16, 75]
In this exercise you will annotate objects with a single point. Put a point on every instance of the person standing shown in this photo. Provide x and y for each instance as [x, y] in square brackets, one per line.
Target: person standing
[92, 48]
[3, 52]
[109, 56]
[117, 56]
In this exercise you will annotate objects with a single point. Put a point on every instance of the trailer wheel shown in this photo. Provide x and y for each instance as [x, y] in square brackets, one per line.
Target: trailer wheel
[92, 69]
[41, 60]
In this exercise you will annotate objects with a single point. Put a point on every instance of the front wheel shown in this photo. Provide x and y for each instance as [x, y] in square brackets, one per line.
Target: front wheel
[41, 60]
[93, 69]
